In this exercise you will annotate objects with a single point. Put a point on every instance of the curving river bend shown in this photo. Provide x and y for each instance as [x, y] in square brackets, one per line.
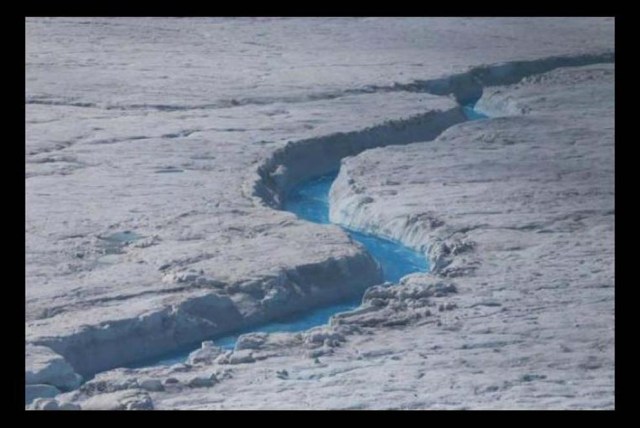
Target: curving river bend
[310, 201]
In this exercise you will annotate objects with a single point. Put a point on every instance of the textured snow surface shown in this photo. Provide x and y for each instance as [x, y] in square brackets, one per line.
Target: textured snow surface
[157, 150]
[533, 194]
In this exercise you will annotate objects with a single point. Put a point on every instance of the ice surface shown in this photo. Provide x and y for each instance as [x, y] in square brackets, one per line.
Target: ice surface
[519, 212]
[189, 132]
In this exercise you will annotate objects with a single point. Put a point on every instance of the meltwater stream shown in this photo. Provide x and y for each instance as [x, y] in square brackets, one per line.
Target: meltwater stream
[310, 201]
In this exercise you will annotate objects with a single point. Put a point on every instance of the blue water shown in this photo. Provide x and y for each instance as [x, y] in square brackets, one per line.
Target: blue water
[310, 202]
[291, 324]
[471, 113]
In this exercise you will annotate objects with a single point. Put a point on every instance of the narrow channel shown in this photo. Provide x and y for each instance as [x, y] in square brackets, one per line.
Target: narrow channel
[310, 201]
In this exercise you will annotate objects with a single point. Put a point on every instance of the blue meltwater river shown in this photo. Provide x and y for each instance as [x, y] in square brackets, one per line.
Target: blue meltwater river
[310, 201]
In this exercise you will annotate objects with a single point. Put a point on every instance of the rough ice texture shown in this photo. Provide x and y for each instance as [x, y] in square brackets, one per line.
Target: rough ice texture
[189, 132]
[47, 373]
[45, 366]
[519, 213]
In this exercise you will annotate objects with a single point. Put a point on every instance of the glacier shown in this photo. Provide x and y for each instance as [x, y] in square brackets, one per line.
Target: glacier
[159, 153]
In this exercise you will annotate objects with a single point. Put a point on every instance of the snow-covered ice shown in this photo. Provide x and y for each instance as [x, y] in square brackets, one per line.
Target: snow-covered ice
[158, 154]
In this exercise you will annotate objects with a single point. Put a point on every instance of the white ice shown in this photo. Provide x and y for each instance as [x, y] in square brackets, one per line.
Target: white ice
[188, 132]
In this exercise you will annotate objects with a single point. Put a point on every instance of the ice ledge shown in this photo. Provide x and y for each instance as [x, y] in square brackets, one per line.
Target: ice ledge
[196, 316]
